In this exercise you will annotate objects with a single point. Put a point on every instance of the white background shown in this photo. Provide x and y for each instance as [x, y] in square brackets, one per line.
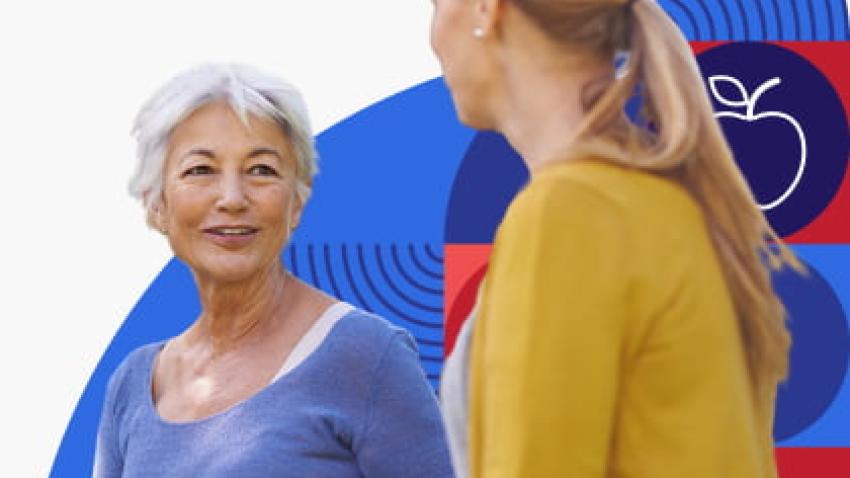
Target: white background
[75, 254]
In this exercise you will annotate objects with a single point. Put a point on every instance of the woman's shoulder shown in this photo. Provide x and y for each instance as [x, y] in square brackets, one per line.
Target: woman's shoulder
[618, 184]
[359, 327]
[593, 188]
[571, 193]
[357, 349]
[134, 364]
[141, 356]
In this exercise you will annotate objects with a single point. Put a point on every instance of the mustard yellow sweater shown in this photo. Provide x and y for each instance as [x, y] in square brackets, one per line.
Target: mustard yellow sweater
[606, 344]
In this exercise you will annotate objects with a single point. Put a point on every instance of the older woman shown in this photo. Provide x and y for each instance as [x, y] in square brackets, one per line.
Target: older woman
[627, 326]
[274, 378]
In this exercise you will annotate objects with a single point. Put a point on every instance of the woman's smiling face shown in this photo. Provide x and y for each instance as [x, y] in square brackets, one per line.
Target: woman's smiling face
[229, 201]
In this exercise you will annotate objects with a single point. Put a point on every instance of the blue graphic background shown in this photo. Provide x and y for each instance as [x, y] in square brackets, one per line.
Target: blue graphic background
[813, 406]
[760, 20]
[818, 390]
[373, 233]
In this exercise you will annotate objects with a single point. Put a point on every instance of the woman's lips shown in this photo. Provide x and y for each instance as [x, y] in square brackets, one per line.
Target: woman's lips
[231, 237]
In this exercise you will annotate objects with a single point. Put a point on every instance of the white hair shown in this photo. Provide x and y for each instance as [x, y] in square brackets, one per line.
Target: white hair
[246, 90]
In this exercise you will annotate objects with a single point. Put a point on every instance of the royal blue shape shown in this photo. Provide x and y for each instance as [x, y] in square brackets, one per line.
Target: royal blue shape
[813, 406]
[768, 149]
[488, 179]
[386, 172]
[820, 350]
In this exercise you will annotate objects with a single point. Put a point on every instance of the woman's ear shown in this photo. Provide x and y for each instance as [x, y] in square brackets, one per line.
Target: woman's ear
[295, 214]
[487, 14]
[300, 194]
[156, 216]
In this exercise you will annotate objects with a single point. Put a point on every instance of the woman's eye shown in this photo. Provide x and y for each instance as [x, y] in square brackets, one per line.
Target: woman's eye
[198, 170]
[262, 170]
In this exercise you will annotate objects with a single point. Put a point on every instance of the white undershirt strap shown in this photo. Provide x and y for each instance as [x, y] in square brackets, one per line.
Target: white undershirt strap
[314, 337]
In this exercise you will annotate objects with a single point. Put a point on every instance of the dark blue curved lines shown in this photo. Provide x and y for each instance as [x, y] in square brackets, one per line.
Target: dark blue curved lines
[762, 20]
[420, 266]
[727, 17]
[796, 16]
[743, 18]
[430, 343]
[431, 358]
[433, 260]
[400, 268]
[813, 27]
[818, 19]
[370, 281]
[435, 292]
[351, 281]
[826, 18]
[399, 292]
[755, 20]
[829, 21]
[312, 261]
[433, 255]
[329, 270]
[694, 33]
[779, 24]
[712, 30]
[381, 298]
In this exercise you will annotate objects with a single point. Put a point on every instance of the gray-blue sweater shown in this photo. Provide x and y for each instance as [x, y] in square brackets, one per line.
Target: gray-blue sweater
[358, 406]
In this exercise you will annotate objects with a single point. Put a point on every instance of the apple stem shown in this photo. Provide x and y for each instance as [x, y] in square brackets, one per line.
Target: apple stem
[751, 105]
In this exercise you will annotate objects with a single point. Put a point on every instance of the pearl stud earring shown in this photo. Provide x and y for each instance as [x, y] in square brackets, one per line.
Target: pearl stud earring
[478, 32]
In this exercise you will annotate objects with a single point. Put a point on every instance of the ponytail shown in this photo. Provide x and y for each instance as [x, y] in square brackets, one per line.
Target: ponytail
[678, 136]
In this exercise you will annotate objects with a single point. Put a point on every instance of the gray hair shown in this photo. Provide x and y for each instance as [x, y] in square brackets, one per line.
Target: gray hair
[246, 90]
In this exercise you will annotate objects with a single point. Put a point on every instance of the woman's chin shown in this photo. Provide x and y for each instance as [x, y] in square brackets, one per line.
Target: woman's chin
[230, 272]
[473, 118]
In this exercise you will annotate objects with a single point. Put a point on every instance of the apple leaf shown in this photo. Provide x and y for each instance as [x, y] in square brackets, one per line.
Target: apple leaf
[715, 81]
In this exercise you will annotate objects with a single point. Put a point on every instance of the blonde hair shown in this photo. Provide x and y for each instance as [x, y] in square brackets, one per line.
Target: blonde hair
[678, 137]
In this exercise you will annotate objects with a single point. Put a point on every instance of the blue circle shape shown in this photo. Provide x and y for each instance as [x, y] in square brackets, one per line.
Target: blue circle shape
[476, 206]
[819, 353]
[791, 141]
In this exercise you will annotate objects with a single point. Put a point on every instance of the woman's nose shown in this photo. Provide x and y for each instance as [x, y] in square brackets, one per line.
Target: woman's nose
[232, 197]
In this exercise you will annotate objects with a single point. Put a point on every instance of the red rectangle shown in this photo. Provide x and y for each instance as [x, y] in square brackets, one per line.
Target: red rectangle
[813, 462]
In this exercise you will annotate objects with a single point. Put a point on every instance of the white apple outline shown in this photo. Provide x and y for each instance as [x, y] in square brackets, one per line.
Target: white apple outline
[750, 103]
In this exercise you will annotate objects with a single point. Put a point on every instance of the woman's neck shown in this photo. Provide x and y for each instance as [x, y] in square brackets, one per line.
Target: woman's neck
[543, 101]
[233, 313]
